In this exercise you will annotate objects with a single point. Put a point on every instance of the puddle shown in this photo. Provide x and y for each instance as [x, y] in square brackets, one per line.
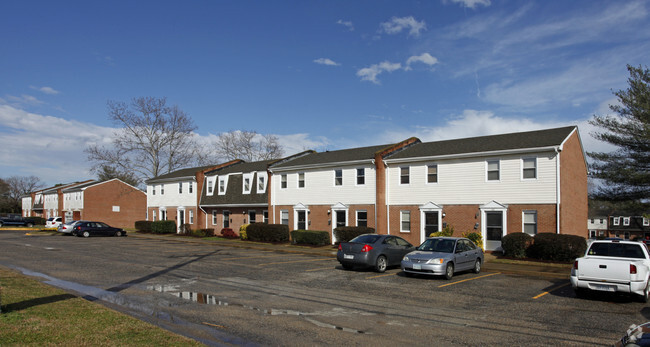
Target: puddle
[207, 299]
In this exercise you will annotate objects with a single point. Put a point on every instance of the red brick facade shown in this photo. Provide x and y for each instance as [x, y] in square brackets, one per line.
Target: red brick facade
[573, 188]
[115, 203]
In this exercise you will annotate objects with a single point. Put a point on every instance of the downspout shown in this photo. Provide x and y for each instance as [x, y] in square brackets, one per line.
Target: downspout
[387, 193]
[557, 189]
[375, 199]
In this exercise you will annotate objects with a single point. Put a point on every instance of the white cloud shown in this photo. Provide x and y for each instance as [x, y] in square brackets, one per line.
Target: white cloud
[326, 61]
[46, 90]
[371, 73]
[424, 58]
[396, 25]
[347, 24]
[472, 3]
[19, 101]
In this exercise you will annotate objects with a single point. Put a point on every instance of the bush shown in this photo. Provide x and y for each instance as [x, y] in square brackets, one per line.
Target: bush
[311, 237]
[163, 227]
[242, 231]
[37, 220]
[345, 234]
[446, 232]
[474, 237]
[186, 229]
[143, 226]
[268, 232]
[207, 232]
[516, 245]
[228, 233]
[557, 247]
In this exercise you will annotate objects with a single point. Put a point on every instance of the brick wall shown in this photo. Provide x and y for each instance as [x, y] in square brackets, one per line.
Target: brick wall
[573, 186]
[100, 199]
[546, 218]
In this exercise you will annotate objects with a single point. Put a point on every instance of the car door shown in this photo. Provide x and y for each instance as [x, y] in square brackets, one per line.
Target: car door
[404, 247]
[391, 250]
[463, 261]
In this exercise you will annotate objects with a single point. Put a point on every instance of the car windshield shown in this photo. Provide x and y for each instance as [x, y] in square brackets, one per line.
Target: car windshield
[438, 245]
[365, 239]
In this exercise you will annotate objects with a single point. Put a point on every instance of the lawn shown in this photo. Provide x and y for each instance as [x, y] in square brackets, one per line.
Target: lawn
[37, 314]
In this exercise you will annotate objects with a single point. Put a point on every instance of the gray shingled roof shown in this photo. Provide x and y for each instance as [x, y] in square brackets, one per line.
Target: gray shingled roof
[491, 143]
[242, 167]
[78, 188]
[188, 172]
[344, 155]
[234, 193]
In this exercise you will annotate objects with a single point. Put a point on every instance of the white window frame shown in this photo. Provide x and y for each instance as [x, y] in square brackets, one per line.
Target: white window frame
[361, 170]
[646, 221]
[261, 183]
[153, 190]
[247, 178]
[523, 168]
[180, 187]
[282, 213]
[402, 213]
[223, 185]
[408, 176]
[265, 216]
[190, 187]
[214, 217]
[487, 170]
[356, 222]
[337, 183]
[210, 184]
[299, 180]
[284, 181]
[523, 221]
[162, 189]
[616, 221]
[191, 216]
[626, 221]
[426, 173]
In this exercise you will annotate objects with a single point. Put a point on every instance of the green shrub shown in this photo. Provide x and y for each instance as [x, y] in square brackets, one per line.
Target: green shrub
[516, 244]
[474, 237]
[207, 232]
[163, 227]
[143, 226]
[557, 247]
[242, 232]
[345, 234]
[447, 231]
[268, 232]
[311, 237]
[37, 220]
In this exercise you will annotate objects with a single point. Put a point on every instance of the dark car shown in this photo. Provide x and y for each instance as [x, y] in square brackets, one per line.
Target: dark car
[87, 229]
[372, 250]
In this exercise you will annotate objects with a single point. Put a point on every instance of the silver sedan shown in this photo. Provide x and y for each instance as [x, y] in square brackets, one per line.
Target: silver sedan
[443, 256]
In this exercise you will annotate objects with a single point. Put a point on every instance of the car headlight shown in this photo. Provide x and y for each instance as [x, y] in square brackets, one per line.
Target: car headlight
[436, 261]
[406, 258]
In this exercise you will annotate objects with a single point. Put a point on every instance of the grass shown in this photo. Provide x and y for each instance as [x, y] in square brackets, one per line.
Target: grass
[37, 314]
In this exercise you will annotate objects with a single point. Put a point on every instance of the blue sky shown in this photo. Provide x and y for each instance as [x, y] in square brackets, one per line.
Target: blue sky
[318, 74]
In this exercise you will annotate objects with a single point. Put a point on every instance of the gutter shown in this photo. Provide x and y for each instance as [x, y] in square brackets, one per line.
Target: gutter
[557, 189]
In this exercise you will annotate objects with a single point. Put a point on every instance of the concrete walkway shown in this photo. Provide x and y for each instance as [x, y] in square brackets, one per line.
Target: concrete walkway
[493, 263]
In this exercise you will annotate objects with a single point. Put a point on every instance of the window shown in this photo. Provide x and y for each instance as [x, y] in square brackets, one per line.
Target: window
[214, 217]
[361, 176]
[251, 216]
[247, 185]
[405, 221]
[284, 217]
[226, 219]
[646, 222]
[529, 170]
[338, 177]
[191, 216]
[362, 218]
[341, 218]
[191, 187]
[283, 181]
[301, 220]
[432, 173]
[616, 221]
[153, 190]
[265, 216]
[404, 175]
[301, 180]
[626, 221]
[163, 215]
[210, 187]
[493, 170]
[153, 215]
[162, 189]
[180, 187]
[222, 185]
[530, 222]
[261, 184]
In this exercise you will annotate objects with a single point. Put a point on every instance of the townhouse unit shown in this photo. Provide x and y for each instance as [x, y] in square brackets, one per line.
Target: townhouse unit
[113, 202]
[629, 226]
[597, 226]
[46, 202]
[522, 182]
[235, 195]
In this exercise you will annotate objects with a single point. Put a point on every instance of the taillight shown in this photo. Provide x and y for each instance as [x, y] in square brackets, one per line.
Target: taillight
[78, 227]
[632, 269]
[340, 247]
[575, 265]
[366, 248]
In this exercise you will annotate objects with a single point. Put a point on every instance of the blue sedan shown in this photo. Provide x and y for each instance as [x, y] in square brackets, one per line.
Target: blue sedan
[372, 250]
[443, 256]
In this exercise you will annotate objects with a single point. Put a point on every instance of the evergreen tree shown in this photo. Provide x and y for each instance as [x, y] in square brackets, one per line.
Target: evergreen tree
[626, 171]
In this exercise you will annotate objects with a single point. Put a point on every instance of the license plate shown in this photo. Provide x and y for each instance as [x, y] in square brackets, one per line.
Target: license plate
[348, 256]
[603, 287]
[417, 267]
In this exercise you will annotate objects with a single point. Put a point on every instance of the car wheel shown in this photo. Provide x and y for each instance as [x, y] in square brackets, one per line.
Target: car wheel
[29, 225]
[381, 264]
[86, 234]
[118, 233]
[449, 271]
[644, 297]
[347, 266]
[477, 266]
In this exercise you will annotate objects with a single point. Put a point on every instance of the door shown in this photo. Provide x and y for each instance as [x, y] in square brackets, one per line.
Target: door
[340, 219]
[302, 220]
[494, 230]
[430, 223]
[181, 220]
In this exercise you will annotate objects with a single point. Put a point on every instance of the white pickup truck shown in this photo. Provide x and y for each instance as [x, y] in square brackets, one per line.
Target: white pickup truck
[613, 266]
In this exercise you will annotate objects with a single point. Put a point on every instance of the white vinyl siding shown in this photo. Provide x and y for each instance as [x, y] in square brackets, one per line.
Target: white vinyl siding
[464, 182]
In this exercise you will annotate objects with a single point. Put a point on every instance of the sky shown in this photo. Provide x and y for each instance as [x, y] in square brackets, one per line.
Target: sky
[321, 75]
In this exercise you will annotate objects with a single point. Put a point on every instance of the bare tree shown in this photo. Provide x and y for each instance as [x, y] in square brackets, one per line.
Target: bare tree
[248, 146]
[153, 139]
[18, 186]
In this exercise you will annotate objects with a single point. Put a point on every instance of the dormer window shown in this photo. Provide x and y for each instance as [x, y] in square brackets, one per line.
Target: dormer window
[210, 187]
[223, 181]
[247, 182]
[261, 183]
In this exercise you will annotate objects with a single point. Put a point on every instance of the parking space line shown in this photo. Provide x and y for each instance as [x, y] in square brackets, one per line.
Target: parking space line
[322, 268]
[469, 279]
[384, 275]
[293, 261]
[550, 290]
[261, 256]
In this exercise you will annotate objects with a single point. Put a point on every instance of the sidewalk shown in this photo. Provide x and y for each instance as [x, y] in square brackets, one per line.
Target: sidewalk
[492, 263]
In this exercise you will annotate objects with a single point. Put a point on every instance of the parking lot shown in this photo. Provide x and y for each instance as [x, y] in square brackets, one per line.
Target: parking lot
[230, 295]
